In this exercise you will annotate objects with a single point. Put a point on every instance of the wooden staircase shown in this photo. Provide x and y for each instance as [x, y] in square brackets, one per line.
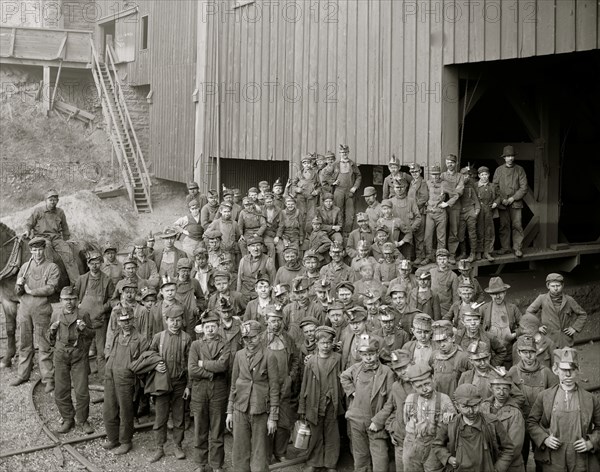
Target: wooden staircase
[121, 131]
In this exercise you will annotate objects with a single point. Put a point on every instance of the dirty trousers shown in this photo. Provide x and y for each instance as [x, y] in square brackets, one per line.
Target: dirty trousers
[33, 326]
[174, 403]
[250, 442]
[71, 367]
[119, 386]
[368, 448]
[209, 403]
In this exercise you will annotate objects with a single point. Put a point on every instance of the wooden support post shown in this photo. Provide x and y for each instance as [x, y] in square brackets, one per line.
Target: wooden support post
[450, 112]
[11, 47]
[547, 171]
[46, 90]
[56, 86]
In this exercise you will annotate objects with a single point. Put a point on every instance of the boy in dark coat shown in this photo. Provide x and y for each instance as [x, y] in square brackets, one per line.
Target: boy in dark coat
[320, 402]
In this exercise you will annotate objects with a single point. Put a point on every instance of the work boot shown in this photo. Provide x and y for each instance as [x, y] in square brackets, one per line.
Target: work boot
[518, 253]
[108, 445]
[122, 449]
[18, 381]
[11, 349]
[158, 454]
[87, 428]
[179, 454]
[49, 387]
[489, 257]
[66, 426]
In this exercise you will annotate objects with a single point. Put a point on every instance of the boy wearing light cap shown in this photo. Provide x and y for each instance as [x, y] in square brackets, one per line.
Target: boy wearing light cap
[532, 378]
[391, 415]
[95, 289]
[364, 233]
[368, 385]
[258, 308]
[70, 335]
[173, 345]
[421, 347]
[253, 407]
[448, 360]
[421, 298]
[505, 408]
[564, 422]
[530, 325]
[405, 276]
[424, 411]
[320, 402]
[208, 364]
[560, 314]
[489, 199]
[473, 441]
[373, 209]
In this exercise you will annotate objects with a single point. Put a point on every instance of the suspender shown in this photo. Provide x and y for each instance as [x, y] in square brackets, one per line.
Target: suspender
[162, 342]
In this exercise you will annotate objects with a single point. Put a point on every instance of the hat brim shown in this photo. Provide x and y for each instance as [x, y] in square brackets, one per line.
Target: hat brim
[469, 401]
[497, 290]
[568, 366]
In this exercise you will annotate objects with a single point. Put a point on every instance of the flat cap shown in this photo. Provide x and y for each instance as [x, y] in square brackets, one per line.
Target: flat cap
[213, 234]
[526, 342]
[184, 263]
[37, 242]
[68, 292]
[451, 157]
[467, 394]
[483, 169]
[422, 321]
[51, 193]
[435, 170]
[93, 255]
[147, 291]
[222, 274]
[322, 285]
[174, 311]
[554, 277]
[356, 314]
[309, 321]
[262, 276]
[167, 280]
[300, 284]
[442, 329]
[345, 284]
[125, 313]
[400, 358]
[255, 240]
[310, 254]
[369, 191]
[386, 203]
[210, 316]
[250, 328]
[418, 371]
[367, 343]
[362, 217]
[130, 260]
[192, 185]
[442, 252]
[388, 248]
[478, 350]
[325, 331]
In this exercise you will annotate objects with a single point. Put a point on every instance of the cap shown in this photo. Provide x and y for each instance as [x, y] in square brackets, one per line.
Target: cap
[414, 167]
[226, 205]
[400, 358]
[442, 329]
[386, 203]
[371, 296]
[281, 289]
[418, 371]
[126, 313]
[388, 248]
[344, 148]
[463, 264]
[300, 284]
[400, 181]
[246, 201]
[130, 260]
[289, 198]
[213, 234]
[466, 283]
[68, 292]
[383, 229]
[329, 155]
[225, 303]
[109, 246]
[322, 285]
[442, 252]
[236, 192]
[554, 277]
[508, 151]
[362, 217]
[250, 328]
[325, 331]
[150, 238]
[255, 240]
[404, 264]
[367, 343]
[212, 193]
[478, 350]
[435, 170]
[222, 273]
[566, 358]
[274, 312]
[310, 254]
[327, 196]
[451, 157]
[184, 263]
[262, 277]
[501, 381]
[263, 183]
[306, 158]
[470, 311]
[277, 183]
[227, 191]
[140, 243]
[483, 169]
[467, 394]
[93, 255]
[386, 314]
[345, 284]
[396, 288]
[192, 185]
[496, 285]
[422, 274]
[336, 305]
[200, 250]
[363, 263]
[37, 242]
[466, 170]
[309, 321]
[167, 280]
[336, 247]
[51, 193]
[422, 321]
[168, 233]
[393, 160]
[128, 284]
[175, 311]
[209, 316]
[292, 247]
[193, 203]
[147, 291]
[356, 314]
[317, 220]
[369, 191]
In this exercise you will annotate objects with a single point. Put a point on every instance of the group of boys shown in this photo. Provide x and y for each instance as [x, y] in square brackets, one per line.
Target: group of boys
[416, 362]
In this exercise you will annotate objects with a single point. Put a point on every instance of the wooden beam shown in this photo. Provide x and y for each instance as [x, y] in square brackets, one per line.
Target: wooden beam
[531, 231]
[61, 49]
[46, 90]
[78, 112]
[528, 117]
[55, 86]
[11, 47]
[45, 62]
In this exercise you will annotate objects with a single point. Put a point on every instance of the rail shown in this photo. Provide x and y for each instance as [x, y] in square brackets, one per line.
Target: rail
[125, 168]
[138, 155]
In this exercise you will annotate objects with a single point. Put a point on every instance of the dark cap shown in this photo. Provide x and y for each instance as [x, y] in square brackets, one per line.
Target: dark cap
[37, 242]
[68, 292]
[467, 394]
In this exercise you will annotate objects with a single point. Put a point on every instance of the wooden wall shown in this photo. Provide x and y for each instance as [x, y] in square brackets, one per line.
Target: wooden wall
[375, 74]
[489, 30]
